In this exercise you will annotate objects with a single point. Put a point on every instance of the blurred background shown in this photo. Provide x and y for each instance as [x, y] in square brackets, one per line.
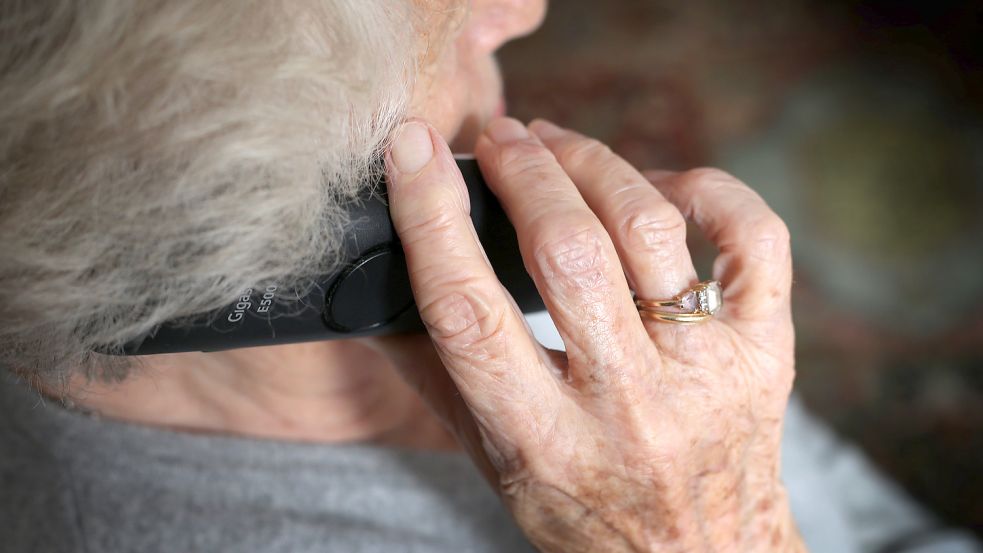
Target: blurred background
[861, 123]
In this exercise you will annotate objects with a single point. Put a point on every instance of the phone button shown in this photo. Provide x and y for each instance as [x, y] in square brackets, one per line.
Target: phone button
[371, 292]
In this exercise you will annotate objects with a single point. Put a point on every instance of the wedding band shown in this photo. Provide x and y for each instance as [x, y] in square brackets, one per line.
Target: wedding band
[691, 306]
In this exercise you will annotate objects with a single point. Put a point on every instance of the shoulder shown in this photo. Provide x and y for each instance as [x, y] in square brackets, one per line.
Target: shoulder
[37, 507]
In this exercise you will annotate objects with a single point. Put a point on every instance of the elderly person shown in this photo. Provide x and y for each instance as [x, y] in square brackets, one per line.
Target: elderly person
[159, 157]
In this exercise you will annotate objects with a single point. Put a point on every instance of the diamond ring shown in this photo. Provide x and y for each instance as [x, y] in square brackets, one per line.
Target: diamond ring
[694, 305]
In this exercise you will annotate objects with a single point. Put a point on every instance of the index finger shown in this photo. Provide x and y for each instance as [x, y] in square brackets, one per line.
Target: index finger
[480, 337]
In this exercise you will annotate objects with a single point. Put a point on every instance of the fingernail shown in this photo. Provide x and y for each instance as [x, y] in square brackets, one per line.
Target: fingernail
[413, 148]
[544, 129]
[504, 130]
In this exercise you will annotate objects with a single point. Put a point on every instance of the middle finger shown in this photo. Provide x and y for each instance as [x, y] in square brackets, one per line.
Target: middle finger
[648, 230]
[568, 253]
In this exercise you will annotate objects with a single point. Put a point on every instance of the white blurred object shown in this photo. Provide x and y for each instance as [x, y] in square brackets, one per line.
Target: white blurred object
[545, 331]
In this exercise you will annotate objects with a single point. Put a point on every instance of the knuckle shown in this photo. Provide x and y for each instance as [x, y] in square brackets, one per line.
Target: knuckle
[461, 323]
[574, 259]
[654, 228]
[523, 157]
[712, 176]
[770, 239]
[439, 219]
[583, 151]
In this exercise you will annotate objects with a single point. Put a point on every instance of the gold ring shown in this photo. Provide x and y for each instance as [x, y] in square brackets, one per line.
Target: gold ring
[693, 305]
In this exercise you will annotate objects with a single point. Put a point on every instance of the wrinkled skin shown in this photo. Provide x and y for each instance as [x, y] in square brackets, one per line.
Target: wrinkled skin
[644, 435]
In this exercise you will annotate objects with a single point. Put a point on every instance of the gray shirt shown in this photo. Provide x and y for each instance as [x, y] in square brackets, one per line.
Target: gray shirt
[73, 482]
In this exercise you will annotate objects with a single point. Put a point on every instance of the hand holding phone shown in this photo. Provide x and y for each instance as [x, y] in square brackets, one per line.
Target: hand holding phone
[641, 431]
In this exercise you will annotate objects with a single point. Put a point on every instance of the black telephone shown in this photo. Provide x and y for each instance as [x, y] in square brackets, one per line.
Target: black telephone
[369, 295]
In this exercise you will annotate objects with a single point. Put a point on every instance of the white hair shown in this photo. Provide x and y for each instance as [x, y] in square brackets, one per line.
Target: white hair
[159, 156]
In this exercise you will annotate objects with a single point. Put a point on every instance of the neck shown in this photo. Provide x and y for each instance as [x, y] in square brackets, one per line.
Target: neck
[327, 392]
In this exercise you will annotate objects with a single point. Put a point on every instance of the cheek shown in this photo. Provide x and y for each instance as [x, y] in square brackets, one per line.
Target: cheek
[441, 96]
[443, 109]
